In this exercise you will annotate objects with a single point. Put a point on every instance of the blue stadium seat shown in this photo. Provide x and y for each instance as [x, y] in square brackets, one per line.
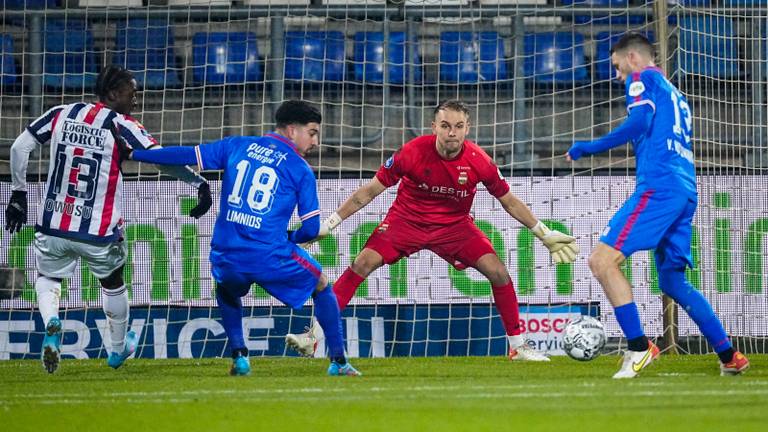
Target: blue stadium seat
[314, 56]
[708, 47]
[370, 62]
[225, 58]
[27, 4]
[7, 62]
[555, 58]
[145, 47]
[467, 57]
[604, 70]
[69, 60]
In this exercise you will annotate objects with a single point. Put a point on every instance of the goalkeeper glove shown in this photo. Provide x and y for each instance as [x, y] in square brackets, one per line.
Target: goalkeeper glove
[204, 201]
[329, 225]
[16, 212]
[562, 247]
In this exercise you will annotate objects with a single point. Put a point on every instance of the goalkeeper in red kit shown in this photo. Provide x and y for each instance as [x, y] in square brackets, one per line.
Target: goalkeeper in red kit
[438, 176]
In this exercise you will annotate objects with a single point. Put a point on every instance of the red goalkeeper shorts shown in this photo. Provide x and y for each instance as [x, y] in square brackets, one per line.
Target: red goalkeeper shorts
[461, 245]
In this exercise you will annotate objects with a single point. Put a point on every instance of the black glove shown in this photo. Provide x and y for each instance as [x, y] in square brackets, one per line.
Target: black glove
[204, 201]
[16, 212]
[122, 145]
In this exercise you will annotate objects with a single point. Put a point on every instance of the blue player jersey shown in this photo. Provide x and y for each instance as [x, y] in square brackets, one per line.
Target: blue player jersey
[264, 180]
[664, 155]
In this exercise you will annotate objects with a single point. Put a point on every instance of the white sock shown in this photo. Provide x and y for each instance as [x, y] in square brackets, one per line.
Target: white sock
[115, 304]
[515, 341]
[48, 295]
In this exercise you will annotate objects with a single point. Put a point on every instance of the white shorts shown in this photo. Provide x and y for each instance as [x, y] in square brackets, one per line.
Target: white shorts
[56, 257]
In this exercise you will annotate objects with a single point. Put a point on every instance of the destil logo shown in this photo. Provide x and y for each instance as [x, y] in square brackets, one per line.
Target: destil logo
[722, 256]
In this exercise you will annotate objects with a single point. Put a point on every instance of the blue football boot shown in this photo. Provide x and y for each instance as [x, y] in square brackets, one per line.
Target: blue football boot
[336, 369]
[51, 350]
[116, 360]
[240, 366]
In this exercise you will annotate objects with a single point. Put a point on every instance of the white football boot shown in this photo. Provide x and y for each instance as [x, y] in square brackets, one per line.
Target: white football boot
[635, 361]
[304, 343]
[524, 352]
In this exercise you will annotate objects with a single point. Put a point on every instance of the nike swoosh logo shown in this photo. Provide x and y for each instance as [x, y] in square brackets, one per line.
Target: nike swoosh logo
[636, 367]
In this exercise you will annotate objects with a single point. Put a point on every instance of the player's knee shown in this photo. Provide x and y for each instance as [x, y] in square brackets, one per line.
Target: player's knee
[599, 263]
[366, 263]
[673, 282]
[114, 280]
[498, 276]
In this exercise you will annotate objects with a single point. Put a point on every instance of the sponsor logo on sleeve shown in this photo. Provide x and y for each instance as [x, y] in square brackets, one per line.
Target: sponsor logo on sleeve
[389, 162]
[636, 88]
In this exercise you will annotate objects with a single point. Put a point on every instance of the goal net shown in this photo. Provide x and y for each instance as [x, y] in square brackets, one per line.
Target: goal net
[537, 76]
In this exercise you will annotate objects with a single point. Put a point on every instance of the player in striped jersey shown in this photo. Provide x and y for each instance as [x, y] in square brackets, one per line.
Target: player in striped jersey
[79, 214]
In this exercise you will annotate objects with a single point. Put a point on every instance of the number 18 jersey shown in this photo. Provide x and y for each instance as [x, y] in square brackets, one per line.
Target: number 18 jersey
[264, 180]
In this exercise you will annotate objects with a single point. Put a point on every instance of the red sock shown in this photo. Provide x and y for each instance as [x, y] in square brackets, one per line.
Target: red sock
[345, 287]
[506, 304]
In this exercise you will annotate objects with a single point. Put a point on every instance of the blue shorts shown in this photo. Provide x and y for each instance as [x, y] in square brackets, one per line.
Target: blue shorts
[288, 273]
[654, 219]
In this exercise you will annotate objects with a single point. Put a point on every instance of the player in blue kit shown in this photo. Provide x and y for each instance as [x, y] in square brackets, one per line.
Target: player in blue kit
[659, 213]
[265, 179]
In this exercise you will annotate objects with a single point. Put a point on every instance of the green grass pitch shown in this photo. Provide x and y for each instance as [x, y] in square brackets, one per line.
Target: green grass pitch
[677, 393]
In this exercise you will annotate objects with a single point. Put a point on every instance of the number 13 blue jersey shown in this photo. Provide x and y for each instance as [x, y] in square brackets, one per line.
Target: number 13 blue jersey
[664, 154]
[264, 180]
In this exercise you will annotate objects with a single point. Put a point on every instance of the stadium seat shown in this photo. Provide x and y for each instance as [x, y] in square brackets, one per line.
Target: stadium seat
[467, 57]
[69, 54]
[28, 4]
[370, 62]
[7, 62]
[555, 58]
[145, 47]
[314, 56]
[604, 41]
[708, 47]
[225, 58]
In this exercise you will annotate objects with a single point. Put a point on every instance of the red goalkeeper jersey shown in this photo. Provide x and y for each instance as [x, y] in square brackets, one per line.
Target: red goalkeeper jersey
[436, 191]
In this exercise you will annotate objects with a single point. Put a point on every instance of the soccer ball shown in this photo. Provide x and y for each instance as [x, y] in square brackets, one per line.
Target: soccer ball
[583, 338]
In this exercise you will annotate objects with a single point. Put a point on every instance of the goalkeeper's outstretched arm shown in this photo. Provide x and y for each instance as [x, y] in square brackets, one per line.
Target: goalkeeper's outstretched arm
[359, 199]
[562, 247]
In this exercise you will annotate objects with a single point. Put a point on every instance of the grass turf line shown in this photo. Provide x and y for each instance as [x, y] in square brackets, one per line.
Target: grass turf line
[396, 394]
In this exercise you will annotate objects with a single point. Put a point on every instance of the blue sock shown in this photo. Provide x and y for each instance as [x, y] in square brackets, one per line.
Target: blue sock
[231, 308]
[329, 317]
[674, 284]
[629, 320]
